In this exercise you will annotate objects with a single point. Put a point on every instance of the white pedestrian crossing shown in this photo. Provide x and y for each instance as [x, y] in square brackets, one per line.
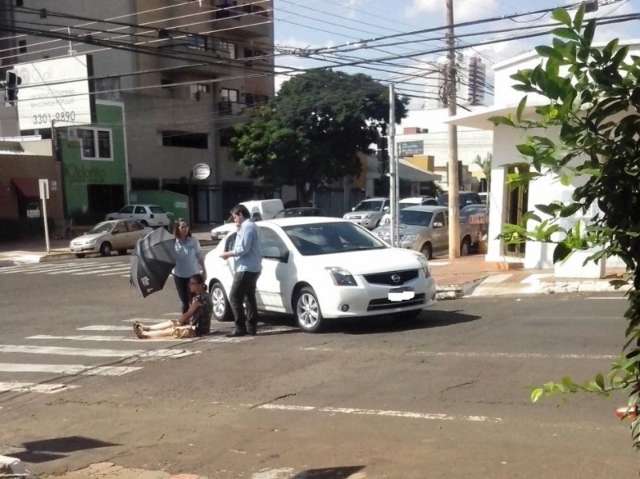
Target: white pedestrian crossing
[96, 267]
[44, 388]
[105, 338]
[95, 352]
[105, 327]
[67, 369]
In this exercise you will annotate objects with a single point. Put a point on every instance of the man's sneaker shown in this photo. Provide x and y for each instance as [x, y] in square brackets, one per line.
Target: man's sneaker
[237, 333]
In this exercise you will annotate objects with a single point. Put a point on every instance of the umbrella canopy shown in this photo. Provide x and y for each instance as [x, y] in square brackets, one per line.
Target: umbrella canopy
[152, 261]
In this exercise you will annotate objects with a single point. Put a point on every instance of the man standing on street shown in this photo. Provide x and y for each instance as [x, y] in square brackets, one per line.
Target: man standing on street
[248, 264]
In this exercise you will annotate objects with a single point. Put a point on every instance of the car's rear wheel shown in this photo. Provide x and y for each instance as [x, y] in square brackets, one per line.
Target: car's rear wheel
[221, 307]
[105, 249]
[427, 250]
[79, 255]
[307, 310]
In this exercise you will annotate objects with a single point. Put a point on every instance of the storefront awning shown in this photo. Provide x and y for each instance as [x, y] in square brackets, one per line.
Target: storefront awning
[415, 175]
[27, 187]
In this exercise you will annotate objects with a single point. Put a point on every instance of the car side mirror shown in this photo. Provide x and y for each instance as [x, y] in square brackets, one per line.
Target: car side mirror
[386, 209]
[353, 209]
[438, 224]
[115, 232]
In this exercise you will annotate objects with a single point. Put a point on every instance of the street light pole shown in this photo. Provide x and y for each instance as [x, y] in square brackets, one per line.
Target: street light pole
[453, 180]
[393, 168]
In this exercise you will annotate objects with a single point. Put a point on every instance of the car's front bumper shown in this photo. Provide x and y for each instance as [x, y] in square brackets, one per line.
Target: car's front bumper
[372, 299]
[75, 249]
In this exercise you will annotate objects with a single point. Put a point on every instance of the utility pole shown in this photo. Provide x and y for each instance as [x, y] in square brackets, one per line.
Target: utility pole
[393, 168]
[454, 209]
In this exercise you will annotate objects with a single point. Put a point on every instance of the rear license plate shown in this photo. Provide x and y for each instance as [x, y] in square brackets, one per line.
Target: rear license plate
[398, 295]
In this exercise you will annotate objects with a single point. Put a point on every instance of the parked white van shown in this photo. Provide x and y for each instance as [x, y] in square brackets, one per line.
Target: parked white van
[259, 210]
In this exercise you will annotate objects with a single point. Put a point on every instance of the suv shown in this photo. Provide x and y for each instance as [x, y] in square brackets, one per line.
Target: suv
[369, 212]
[148, 215]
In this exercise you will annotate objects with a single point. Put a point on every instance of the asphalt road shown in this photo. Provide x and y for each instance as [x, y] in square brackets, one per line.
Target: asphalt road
[443, 396]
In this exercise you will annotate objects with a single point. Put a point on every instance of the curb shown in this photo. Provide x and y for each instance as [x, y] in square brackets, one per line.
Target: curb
[457, 291]
[55, 256]
[561, 287]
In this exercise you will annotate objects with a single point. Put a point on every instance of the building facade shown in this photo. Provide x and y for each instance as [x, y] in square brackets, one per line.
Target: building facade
[206, 68]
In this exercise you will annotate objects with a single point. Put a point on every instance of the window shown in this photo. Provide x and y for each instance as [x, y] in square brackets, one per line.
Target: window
[134, 226]
[415, 218]
[330, 238]
[88, 144]
[439, 219]
[157, 210]
[197, 42]
[225, 134]
[198, 90]
[185, 139]
[127, 210]
[271, 245]
[94, 141]
[224, 49]
[22, 44]
[230, 95]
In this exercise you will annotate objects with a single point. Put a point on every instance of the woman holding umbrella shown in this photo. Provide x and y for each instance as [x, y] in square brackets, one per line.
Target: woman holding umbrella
[189, 261]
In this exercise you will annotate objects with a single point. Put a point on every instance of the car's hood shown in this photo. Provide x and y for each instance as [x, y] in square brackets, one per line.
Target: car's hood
[404, 229]
[223, 229]
[358, 214]
[369, 261]
[88, 237]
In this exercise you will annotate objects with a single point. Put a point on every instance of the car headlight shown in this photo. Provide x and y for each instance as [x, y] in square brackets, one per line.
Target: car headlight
[342, 277]
[408, 238]
[424, 265]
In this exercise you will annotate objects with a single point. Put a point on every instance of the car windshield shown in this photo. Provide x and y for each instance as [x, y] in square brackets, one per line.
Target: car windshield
[415, 218]
[369, 205]
[328, 238]
[104, 227]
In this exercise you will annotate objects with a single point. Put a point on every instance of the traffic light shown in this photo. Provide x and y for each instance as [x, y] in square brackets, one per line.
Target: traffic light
[12, 81]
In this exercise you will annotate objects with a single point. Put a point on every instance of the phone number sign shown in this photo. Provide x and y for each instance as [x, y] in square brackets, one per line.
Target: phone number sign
[54, 92]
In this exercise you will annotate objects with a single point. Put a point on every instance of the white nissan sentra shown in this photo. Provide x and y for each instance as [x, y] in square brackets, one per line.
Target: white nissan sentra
[322, 268]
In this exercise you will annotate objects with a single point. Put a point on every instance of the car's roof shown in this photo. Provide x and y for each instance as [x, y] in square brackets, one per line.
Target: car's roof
[427, 208]
[375, 198]
[303, 220]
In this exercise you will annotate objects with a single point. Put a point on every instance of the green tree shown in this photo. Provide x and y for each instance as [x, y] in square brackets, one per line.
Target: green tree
[485, 165]
[311, 132]
[593, 110]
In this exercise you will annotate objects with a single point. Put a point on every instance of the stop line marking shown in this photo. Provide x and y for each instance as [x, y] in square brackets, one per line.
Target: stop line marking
[46, 388]
[97, 353]
[67, 369]
[380, 412]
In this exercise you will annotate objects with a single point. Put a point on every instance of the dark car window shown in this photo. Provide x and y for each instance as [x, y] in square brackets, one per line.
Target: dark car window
[127, 210]
[271, 245]
[329, 238]
[415, 218]
[157, 210]
[134, 226]
[140, 210]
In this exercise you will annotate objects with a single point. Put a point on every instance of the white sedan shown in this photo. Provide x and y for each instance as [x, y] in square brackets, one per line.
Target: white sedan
[322, 268]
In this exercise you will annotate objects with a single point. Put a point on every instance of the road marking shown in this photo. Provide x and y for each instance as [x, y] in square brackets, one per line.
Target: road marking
[114, 273]
[67, 369]
[35, 267]
[485, 355]
[280, 473]
[146, 320]
[105, 327]
[381, 412]
[223, 340]
[65, 267]
[95, 270]
[95, 353]
[438, 263]
[106, 338]
[607, 297]
[497, 278]
[20, 387]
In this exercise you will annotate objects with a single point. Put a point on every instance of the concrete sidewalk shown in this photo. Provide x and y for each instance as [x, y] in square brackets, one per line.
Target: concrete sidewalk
[473, 276]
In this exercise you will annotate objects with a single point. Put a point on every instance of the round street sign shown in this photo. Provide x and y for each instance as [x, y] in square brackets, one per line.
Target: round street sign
[201, 171]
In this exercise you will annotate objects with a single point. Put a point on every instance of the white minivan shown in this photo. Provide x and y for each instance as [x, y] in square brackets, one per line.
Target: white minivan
[259, 210]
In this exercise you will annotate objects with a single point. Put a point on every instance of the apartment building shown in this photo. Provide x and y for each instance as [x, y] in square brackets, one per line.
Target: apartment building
[206, 65]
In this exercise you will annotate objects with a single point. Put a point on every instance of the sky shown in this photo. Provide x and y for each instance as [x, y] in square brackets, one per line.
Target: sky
[314, 23]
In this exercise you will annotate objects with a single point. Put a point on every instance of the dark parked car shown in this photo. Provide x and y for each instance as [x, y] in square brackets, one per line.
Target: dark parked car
[301, 211]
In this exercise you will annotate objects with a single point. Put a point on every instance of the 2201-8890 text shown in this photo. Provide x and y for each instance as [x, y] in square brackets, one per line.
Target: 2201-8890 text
[47, 118]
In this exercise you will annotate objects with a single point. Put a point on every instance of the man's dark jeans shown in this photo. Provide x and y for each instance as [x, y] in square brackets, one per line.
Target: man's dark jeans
[243, 291]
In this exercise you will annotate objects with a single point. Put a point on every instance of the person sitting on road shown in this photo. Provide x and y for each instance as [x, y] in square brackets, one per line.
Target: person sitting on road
[195, 322]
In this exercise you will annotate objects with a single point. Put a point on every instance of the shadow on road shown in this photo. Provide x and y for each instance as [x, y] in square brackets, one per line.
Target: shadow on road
[52, 449]
[389, 324]
[329, 473]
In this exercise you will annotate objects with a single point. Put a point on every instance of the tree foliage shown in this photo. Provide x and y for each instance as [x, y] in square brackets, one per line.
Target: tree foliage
[311, 132]
[593, 110]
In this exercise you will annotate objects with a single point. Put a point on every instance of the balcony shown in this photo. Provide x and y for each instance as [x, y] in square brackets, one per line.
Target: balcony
[240, 20]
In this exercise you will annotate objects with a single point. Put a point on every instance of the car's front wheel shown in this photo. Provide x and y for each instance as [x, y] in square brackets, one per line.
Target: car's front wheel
[105, 249]
[307, 310]
[221, 307]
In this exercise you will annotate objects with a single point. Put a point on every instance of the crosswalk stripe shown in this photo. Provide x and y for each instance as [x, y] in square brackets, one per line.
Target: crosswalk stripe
[62, 269]
[95, 353]
[36, 267]
[146, 320]
[105, 327]
[97, 269]
[47, 388]
[67, 369]
[89, 337]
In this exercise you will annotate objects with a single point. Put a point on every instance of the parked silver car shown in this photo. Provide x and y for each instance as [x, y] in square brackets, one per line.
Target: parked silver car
[425, 229]
[369, 212]
[109, 236]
